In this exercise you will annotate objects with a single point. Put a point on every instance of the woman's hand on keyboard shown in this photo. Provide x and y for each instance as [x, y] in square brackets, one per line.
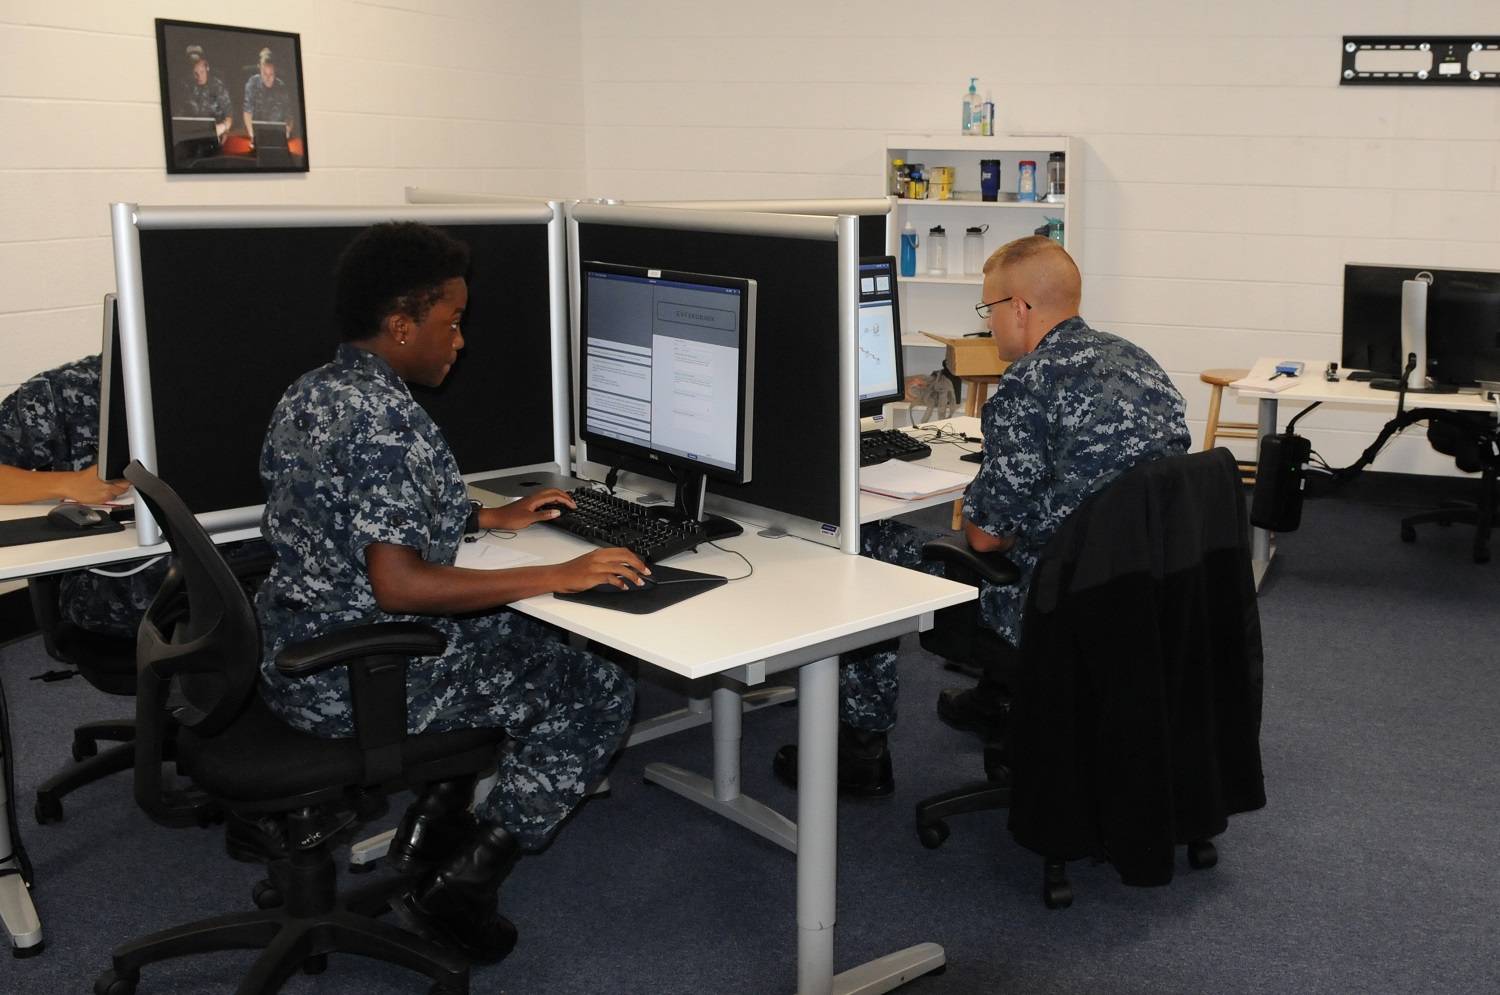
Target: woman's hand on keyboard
[538, 507]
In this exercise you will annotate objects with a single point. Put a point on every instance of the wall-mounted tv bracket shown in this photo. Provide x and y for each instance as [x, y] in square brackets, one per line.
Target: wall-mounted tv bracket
[1412, 60]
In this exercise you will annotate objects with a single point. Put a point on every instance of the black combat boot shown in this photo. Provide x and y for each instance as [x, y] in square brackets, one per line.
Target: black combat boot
[864, 764]
[455, 902]
[435, 825]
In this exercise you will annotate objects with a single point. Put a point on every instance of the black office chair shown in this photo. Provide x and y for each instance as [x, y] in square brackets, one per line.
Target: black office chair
[1473, 440]
[106, 662]
[198, 674]
[1135, 720]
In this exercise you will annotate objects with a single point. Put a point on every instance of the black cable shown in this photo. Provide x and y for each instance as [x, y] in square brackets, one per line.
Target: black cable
[1293, 423]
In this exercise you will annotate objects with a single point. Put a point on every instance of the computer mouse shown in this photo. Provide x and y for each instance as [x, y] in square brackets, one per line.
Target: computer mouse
[76, 517]
[629, 588]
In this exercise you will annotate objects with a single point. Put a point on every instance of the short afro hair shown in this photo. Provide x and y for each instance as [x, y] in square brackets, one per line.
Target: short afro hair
[389, 268]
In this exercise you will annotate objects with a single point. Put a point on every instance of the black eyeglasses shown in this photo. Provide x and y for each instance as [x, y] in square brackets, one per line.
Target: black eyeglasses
[983, 310]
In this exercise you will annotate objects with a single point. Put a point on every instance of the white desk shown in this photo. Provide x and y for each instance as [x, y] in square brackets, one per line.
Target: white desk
[874, 507]
[802, 607]
[1313, 386]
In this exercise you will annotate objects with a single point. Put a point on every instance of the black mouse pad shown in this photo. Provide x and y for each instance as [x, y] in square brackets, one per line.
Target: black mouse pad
[673, 584]
[20, 531]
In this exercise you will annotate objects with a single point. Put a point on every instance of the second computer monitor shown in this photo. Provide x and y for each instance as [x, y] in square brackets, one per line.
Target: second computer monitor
[881, 375]
[666, 370]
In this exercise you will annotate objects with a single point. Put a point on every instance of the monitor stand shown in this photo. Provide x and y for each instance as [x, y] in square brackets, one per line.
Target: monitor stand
[691, 491]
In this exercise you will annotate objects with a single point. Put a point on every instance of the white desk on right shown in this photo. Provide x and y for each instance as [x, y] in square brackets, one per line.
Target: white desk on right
[1312, 387]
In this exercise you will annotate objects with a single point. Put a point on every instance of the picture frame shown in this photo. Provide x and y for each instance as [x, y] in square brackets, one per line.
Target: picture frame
[231, 99]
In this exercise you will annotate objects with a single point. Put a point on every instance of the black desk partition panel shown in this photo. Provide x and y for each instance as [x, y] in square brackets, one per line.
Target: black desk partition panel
[796, 444]
[235, 314]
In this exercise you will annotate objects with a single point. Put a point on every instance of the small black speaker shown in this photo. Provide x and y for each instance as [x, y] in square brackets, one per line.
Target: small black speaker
[1280, 476]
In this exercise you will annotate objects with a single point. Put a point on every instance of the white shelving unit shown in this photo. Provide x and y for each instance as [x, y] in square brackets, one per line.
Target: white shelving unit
[945, 303]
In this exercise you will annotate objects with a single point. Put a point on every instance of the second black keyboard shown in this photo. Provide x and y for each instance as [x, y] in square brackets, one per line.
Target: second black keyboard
[652, 533]
[883, 444]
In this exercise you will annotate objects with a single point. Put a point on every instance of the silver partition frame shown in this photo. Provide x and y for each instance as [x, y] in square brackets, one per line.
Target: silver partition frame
[128, 220]
[844, 229]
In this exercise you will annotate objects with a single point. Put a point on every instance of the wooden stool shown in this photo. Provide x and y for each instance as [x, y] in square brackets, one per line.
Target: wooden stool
[1215, 429]
[977, 390]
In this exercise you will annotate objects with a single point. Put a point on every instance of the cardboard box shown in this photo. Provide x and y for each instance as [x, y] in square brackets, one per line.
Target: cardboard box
[971, 357]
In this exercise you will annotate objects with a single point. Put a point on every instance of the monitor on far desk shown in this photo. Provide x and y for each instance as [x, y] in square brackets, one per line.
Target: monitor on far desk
[1462, 321]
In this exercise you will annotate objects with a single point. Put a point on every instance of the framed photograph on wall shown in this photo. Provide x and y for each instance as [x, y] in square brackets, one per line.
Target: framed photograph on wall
[231, 99]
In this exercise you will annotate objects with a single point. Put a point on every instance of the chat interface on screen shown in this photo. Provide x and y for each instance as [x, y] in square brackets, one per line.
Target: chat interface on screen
[663, 365]
[877, 332]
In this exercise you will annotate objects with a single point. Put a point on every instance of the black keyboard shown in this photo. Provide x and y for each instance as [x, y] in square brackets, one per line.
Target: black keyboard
[652, 533]
[883, 444]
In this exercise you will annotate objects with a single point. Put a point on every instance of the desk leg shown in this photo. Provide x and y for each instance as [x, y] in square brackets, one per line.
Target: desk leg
[1260, 539]
[17, 913]
[722, 795]
[817, 855]
[696, 712]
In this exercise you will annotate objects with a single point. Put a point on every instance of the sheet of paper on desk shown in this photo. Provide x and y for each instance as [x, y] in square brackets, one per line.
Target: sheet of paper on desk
[485, 555]
[910, 481]
[1264, 385]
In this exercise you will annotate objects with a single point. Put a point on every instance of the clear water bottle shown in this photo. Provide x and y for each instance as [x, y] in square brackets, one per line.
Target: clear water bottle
[974, 250]
[937, 252]
[909, 240]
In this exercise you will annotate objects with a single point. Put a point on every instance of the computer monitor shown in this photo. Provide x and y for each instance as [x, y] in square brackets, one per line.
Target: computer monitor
[882, 378]
[114, 442]
[666, 373]
[1462, 321]
[1463, 327]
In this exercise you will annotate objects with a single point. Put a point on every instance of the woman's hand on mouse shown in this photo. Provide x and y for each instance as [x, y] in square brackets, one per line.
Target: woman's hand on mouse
[617, 567]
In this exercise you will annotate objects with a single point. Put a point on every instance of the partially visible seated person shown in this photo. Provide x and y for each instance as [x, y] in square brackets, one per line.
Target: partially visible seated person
[365, 511]
[49, 448]
[1075, 409]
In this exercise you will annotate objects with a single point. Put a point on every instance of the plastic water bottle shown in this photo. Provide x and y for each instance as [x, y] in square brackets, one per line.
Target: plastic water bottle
[937, 252]
[909, 241]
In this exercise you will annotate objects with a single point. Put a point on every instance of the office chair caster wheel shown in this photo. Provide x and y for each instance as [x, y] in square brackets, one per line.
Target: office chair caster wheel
[934, 835]
[1408, 533]
[48, 809]
[438, 988]
[1202, 856]
[364, 868]
[110, 983]
[1056, 892]
[84, 748]
[265, 895]
[316, 964]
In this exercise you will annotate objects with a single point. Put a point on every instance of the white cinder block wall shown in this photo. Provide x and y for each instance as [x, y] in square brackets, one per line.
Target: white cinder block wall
[451, 94]
[1230, 177]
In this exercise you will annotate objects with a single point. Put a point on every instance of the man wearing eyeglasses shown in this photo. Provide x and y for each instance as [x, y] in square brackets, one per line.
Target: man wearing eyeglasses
[1075, 409]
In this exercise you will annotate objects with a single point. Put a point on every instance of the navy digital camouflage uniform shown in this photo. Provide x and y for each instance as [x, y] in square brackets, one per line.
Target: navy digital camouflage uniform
[351, 459]
[1068, 417]
[268, 104]
[209, 100]
[51, 422]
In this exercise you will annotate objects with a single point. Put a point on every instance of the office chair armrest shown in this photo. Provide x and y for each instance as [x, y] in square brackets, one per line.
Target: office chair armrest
[374, 639]
[955, 550]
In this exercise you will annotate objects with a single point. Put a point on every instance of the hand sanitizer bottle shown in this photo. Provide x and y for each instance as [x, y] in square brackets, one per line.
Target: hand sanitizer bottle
[973, 109]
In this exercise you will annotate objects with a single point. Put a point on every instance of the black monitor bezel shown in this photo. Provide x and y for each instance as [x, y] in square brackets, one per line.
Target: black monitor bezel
[874, 405]
[742, 471]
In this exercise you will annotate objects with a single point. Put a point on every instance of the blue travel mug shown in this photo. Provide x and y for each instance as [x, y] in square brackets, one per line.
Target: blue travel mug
[989, 179]
[908, 251]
